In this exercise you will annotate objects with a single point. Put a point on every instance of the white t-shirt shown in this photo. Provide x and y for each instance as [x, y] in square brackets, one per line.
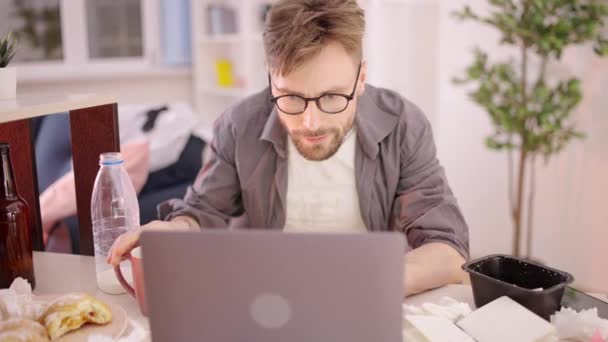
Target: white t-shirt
[322, 195]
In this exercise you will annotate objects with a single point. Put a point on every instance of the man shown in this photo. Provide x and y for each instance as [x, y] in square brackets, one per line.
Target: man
[319, 150]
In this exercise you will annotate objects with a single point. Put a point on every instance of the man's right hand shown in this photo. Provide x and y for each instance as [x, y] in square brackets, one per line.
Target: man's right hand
[129, 240]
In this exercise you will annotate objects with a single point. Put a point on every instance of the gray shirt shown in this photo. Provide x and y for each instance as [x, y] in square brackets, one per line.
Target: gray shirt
[400, 183]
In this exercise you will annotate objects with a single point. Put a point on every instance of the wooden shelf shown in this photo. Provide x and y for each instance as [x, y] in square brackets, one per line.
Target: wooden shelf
[36, 73]
[33, 106]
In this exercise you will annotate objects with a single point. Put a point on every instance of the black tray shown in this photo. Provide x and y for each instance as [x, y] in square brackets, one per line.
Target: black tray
[536, 287]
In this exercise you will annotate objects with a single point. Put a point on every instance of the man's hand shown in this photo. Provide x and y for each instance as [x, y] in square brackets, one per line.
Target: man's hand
[431, 266]
[129, 240]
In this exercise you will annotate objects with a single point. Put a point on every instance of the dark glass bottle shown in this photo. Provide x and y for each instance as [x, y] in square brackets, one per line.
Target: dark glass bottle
[15, 234]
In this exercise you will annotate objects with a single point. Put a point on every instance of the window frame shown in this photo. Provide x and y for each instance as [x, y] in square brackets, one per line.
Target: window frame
[76, 63]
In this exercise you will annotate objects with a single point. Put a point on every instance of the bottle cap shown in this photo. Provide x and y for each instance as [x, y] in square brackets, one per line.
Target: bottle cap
[111, 158]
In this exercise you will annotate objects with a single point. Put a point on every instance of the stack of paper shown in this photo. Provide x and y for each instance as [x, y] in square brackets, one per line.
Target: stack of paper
[505, 320]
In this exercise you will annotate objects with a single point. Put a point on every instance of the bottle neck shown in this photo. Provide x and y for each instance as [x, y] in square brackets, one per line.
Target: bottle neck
[7, 179]
[111, 159]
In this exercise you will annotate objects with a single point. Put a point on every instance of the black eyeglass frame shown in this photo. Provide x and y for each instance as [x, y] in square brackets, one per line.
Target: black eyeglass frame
[317, 99]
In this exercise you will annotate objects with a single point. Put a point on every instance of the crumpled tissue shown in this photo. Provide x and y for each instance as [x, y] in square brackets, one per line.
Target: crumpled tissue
[582, 326]
[18, 302]
[446, 308]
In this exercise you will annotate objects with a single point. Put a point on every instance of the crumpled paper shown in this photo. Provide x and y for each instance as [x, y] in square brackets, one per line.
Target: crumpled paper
[18, 302]
[583, 326]
[446, 307]
[580, 326]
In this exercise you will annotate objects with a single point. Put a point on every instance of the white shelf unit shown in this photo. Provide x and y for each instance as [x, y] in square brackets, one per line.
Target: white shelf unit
[243, 49]
[401, 46]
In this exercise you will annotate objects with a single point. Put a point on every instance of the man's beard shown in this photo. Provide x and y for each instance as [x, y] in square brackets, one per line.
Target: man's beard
[334, 137]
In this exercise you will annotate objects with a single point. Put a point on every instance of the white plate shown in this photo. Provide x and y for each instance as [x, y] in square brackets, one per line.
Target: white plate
[115, 328]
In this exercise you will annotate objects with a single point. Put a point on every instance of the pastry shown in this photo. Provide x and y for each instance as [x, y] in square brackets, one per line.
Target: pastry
[22, 330]
[71, 311]
[3, 313]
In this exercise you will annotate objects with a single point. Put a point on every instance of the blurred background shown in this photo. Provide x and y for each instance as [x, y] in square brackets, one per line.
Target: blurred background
[205, 55]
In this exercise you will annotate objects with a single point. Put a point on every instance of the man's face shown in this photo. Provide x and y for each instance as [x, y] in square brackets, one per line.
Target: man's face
[316, 134]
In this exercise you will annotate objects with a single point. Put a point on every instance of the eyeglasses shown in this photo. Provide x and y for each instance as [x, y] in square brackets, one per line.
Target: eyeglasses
[330, 103]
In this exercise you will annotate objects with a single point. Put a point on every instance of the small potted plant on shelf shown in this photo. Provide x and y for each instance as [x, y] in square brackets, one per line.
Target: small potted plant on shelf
[8, 75]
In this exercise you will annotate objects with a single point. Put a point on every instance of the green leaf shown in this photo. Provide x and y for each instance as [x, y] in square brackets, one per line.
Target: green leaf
[574, 86]
[492, 144]
[601, 47]
[458, 81]
[579, 135]
[8, 46]
[466, 13]
[474, 72]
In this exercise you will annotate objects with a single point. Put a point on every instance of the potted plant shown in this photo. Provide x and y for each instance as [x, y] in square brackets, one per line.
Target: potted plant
[8, 75]
[530, 108]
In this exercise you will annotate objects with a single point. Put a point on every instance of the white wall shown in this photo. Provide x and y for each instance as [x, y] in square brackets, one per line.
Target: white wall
[573, 220]
[476, 175]
[571, 223]
[401, 49]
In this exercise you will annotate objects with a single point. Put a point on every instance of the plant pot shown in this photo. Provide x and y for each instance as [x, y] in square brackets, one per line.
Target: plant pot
[8, 83]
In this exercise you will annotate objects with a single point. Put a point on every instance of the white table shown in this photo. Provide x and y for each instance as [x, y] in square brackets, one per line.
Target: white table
[61, 273]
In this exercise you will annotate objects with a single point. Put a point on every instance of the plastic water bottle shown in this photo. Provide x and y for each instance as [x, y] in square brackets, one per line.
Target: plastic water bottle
[114, 211]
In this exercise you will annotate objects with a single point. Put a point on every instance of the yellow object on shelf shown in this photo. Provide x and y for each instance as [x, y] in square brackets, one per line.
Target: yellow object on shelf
[225, 78]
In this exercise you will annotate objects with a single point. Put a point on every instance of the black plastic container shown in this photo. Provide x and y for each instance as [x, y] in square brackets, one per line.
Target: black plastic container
[498, 275]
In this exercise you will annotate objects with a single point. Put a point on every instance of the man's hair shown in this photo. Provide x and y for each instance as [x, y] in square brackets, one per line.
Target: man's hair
[297, 30]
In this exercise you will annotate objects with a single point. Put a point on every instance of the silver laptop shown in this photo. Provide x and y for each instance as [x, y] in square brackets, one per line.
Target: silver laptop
[268, 286]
